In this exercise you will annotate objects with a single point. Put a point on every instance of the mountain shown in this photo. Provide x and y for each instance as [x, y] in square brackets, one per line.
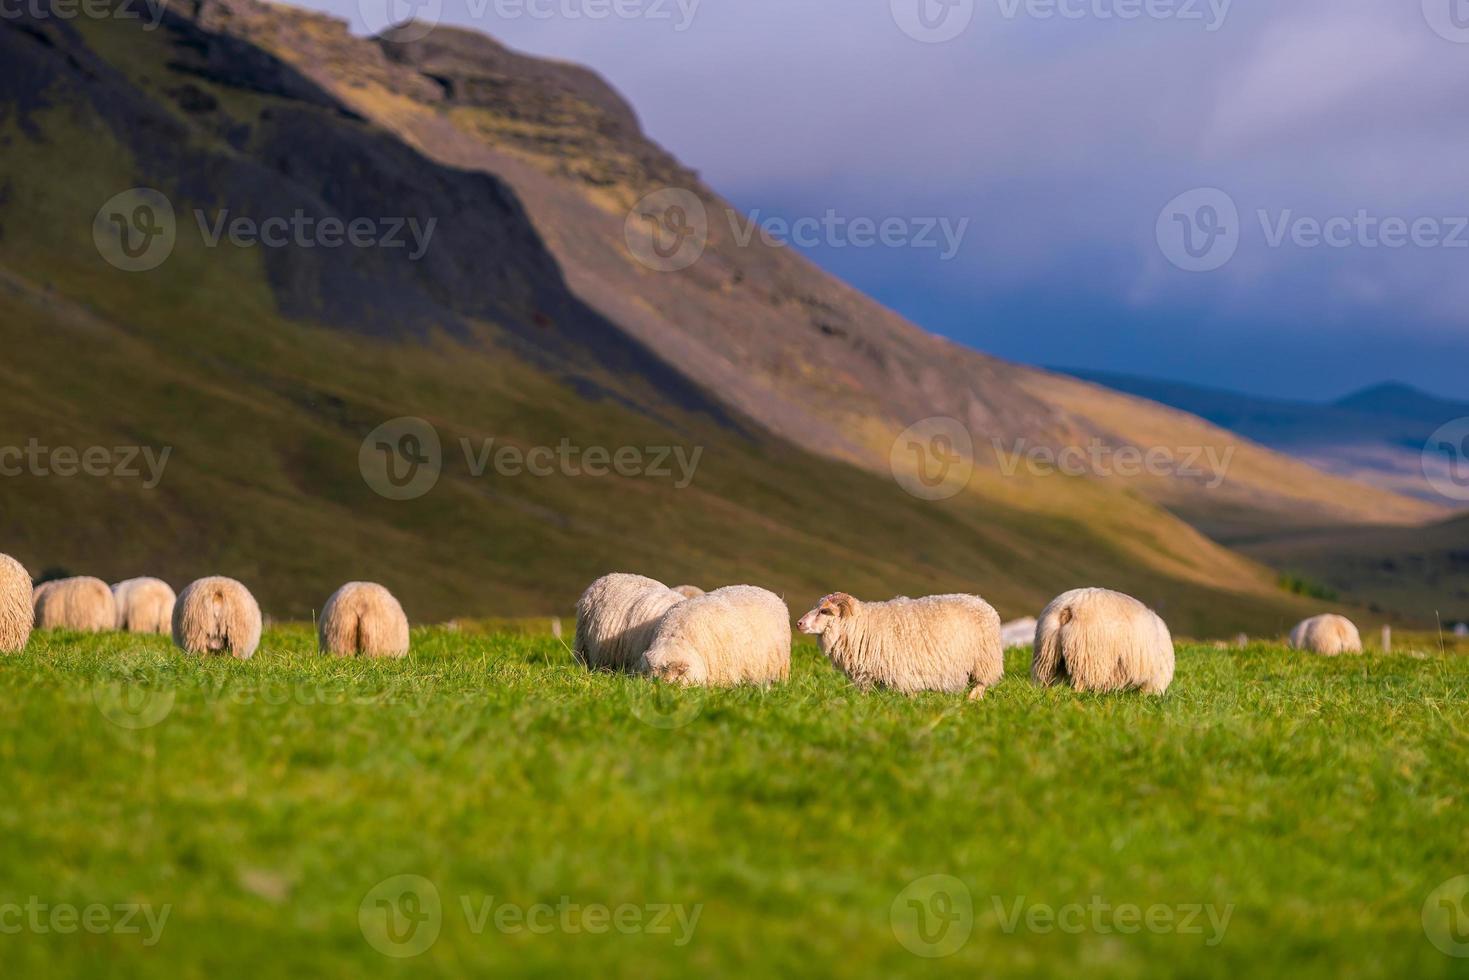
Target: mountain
[496, 293]
[1422, 572]
[1377, 435]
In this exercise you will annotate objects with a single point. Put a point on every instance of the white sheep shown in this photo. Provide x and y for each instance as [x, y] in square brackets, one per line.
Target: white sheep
[82, 603]
[1328, 635]
[739, 634]
[16, 611]
[689, 591]
[363, 618]
[1102, 641]
[217, 615]
[144, 605]
[615, 620]
[938, 643]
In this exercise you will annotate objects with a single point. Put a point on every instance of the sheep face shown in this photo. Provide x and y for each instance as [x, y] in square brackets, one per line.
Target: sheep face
[674, 665]
[828, 612]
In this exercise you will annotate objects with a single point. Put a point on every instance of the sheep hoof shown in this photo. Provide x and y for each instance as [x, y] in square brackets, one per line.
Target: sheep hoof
[977, 694]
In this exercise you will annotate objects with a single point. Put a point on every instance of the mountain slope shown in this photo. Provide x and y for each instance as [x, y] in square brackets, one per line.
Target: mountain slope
[263, 369]
[808, 357]
[1424, 572]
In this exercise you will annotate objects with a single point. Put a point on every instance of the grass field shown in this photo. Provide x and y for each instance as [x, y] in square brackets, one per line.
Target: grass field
[1274, 815]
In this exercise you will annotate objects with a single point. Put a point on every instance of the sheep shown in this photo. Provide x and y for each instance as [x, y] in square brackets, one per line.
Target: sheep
[363, 618]
[739, 634]
[1102, 641]
[939, 643]
[82, 603]
[217, 615]
[1328, 635]
[689, 591]
[615, 620]
[144, 605]
[16, 611]
[1018, 633]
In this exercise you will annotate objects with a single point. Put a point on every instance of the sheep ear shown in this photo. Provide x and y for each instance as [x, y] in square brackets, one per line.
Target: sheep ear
[845, 604]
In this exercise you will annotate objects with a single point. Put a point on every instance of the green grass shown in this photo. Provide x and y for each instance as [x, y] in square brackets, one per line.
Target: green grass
[1319, 801]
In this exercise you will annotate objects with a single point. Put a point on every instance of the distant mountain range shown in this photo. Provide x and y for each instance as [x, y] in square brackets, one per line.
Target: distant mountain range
[1377, 435]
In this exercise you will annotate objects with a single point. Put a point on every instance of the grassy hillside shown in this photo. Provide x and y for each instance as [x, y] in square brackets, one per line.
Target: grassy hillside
[1310, 806]
[1423, 571]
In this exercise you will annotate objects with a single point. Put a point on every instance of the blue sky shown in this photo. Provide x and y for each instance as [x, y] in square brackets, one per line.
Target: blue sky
[1062, 130]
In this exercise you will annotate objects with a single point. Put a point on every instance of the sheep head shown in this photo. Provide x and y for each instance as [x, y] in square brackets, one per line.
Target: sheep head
[830, 611]
[672, 665]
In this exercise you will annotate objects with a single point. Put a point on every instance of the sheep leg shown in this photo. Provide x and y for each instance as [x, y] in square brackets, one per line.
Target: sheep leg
[1046, 665]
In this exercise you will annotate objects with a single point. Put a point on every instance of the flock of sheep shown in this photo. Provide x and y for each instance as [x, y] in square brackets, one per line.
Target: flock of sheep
[1094, 639]
[214, 615]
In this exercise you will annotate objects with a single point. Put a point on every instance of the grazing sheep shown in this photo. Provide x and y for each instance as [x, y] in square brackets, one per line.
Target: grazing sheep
[1328, 635]
[363, 618]
[1102, 641]
[16, 611]
[1018, 633]
[217, 615]
[615, 620]
[689, 591]
[940, 643]
[144, 605]
[735, 635]
[82, 603]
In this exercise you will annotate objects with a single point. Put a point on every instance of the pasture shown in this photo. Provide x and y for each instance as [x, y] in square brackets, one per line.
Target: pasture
[167, 816]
